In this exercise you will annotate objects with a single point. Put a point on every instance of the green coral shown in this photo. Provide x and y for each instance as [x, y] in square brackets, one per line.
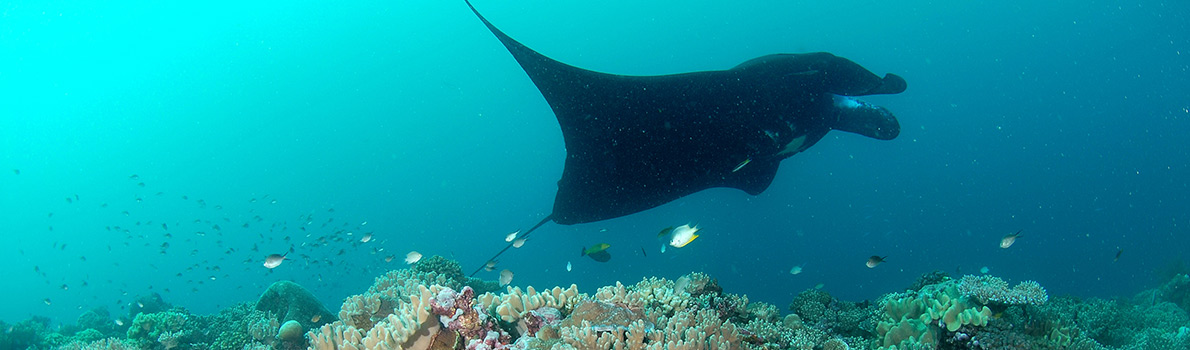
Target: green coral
[151, 326]
[88, 335]
[291, 301]
[29, 333]
[917, 318]
[810, 305]
[240, 327]
[482, 286]
[447, 268]
[100, 319]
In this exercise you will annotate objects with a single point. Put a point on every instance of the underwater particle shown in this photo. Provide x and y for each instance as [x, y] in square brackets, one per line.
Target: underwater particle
[412, 257]
[683, 235]
[983, 270]
[511, 236]
[505, 277]
[1009, 239]
[16, 171]
[517, 243]
[796, 269]
[598, 252]
[875, 260]
[69, 200]
[65, 287]
[367, 237]
[568, 266]
[273, 201]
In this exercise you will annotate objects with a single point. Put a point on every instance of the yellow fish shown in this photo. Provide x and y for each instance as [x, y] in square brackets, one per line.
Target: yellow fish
[683, 235]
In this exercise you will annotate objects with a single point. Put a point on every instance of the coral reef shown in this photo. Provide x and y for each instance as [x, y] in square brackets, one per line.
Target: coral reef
[292, 302]
[988, 289]
[431, 306]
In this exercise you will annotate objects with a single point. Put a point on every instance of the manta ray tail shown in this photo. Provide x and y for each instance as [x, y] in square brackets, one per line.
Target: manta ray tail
[523, 236]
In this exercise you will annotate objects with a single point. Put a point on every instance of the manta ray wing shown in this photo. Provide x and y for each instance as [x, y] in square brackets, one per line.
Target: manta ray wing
[637, 142]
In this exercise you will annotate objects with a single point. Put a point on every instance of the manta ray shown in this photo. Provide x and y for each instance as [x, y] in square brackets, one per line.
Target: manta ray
[637, 142]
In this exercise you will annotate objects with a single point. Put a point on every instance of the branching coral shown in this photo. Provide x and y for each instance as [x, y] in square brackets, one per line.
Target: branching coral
[336, 336]
[989, 289]
[408, 326]
[515, 303]
[101, 344]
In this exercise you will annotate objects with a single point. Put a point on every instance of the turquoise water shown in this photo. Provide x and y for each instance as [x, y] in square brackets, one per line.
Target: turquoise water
[1067, 120]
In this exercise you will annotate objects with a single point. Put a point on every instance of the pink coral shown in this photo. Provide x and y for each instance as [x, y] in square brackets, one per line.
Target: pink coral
[542, 317]
[457, 310]
[492, 341]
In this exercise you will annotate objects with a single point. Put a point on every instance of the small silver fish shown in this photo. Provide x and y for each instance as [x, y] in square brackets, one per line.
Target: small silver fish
[875, 260]
[517, 243]
[505, 277]
[511, 236]
[412, 257]
[274, 260]
[367, 237]
[568, 266]
[1009, 239]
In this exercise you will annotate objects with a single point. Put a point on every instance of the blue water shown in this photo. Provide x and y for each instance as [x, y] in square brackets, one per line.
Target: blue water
[1068, 120]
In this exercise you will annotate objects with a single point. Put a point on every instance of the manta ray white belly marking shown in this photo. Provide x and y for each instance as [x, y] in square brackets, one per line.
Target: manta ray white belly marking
[793, 146]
